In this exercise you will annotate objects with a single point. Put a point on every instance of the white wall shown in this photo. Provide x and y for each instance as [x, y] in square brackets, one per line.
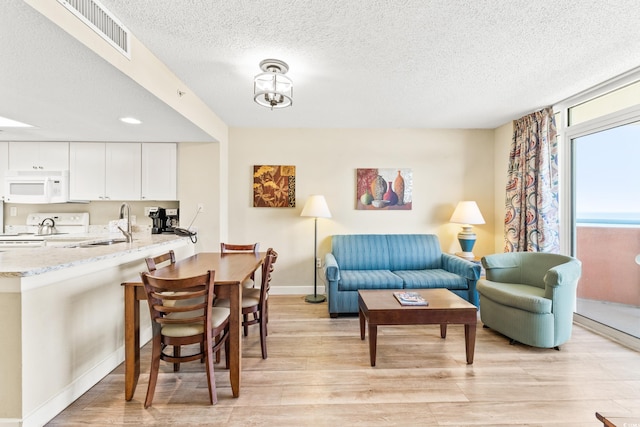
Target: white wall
[502, 149]
[448, 166]
[200, 182]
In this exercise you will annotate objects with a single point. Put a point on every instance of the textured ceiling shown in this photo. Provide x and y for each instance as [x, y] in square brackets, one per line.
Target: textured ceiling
[355, 64]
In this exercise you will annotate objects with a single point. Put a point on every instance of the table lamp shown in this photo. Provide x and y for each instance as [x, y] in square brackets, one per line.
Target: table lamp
[467, 213]
[315, 207]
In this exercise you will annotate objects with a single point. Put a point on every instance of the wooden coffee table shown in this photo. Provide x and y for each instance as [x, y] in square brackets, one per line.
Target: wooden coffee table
[445, 307]
[610, 420]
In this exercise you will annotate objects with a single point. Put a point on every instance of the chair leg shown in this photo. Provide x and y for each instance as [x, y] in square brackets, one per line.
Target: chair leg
[211, 379]
[155, 367]
[217, 340]
[263, 335]
[226, 351]
[176, 353]
[245, 319]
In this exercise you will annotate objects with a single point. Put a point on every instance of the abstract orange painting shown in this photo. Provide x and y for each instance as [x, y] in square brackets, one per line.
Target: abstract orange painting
[274, 186]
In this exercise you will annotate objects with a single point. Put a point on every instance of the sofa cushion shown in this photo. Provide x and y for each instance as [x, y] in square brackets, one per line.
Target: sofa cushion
[414, 251]
[361, 251]
[431, 278]
[352, 280]
[523, 297]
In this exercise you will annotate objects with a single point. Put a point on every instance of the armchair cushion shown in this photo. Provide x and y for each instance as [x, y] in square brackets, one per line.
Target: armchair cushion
[523, 297]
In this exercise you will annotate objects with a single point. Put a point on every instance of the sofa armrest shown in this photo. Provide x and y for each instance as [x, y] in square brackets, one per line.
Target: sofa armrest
[460, 266]
[331, 269]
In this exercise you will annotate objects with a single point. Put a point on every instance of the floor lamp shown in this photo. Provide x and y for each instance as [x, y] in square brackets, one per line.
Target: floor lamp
[315, 207]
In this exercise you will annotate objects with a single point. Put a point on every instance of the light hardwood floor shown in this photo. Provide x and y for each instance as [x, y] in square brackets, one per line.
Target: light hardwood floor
[318, 374]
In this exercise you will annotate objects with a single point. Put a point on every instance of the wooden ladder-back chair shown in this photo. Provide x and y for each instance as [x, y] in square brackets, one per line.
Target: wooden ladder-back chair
[227, 248]
[160, 260]
[182, 313]
[163, 260]
[255, 302]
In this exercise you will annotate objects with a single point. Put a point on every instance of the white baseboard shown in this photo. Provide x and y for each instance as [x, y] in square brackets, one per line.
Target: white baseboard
[47, 411]
[295, 290]
[73, 391]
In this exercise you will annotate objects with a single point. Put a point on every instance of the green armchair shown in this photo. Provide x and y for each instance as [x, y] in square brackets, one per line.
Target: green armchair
[530, 296]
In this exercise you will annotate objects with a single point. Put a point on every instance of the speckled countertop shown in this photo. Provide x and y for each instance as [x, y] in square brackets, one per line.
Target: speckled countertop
[29, 262]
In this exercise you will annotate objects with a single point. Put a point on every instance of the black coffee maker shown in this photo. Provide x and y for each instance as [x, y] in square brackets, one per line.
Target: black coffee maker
[173, 220]
[159, 217]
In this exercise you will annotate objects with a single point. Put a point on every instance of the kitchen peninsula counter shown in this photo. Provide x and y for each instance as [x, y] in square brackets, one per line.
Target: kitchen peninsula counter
[62, 316]
[29, 262]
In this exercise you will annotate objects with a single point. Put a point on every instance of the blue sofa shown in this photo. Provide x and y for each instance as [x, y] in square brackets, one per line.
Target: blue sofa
[393, 261]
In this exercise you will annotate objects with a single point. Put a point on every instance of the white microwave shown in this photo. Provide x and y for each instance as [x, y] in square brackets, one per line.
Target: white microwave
[36, 186]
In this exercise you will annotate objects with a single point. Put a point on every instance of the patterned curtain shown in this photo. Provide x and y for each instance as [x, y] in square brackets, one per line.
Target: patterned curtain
[531, 220]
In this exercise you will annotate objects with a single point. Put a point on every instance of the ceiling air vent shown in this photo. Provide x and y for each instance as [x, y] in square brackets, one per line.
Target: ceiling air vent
[103, 22]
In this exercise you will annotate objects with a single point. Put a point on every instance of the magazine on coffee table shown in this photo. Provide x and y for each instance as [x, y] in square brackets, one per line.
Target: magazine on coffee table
[410, 298]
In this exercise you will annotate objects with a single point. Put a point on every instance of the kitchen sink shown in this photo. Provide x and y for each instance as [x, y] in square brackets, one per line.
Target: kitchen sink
[96, 244]
[106, 242]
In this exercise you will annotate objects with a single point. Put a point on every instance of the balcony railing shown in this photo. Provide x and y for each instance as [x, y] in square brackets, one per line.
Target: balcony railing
[609, 289]
[609, 270]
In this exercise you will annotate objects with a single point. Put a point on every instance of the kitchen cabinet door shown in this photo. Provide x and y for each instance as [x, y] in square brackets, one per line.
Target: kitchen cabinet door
[39, 155]
[87, 171]
[159, 171]
[122, 171]
[4, 165]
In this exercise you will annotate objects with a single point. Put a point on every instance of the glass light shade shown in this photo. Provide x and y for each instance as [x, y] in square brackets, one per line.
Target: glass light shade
[316, 207]
[467, 212]
[273, 90]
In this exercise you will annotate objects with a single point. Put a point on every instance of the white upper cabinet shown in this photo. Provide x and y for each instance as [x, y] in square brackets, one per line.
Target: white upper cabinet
[159, 171]
[86, 171]
[104, 171]
[39, 155]
[123, 175]
[4, 165]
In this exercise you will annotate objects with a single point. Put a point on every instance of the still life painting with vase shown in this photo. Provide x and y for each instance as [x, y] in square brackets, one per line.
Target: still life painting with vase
[384, 189]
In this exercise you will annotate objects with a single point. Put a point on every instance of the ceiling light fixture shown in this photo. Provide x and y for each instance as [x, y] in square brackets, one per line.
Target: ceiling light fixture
[130, 120]
[272, 88]
[6, 122]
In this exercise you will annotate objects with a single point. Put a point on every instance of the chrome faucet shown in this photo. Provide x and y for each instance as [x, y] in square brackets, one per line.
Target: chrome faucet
[124, 208]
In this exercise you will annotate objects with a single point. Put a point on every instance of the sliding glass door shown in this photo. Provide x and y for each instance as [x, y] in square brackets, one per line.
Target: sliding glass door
[606, 225]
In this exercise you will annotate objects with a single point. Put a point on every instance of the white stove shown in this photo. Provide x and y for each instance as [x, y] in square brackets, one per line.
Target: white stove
[27, 236]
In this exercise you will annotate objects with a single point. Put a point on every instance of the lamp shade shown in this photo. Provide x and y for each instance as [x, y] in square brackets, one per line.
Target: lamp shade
[467, 212]
[316, 207]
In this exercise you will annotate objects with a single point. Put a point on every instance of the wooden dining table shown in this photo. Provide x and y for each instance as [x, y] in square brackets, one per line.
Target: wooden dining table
[231, 269]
